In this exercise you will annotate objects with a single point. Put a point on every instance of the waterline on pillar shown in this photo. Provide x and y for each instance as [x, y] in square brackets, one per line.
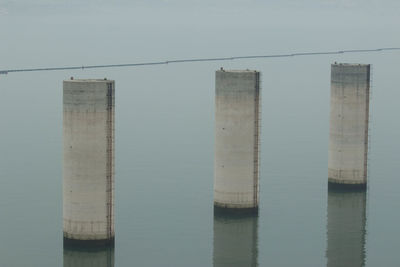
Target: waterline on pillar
[88, 244]
[220, 210]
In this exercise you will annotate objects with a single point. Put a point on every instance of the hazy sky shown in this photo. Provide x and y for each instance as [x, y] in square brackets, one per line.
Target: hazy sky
[160, 29]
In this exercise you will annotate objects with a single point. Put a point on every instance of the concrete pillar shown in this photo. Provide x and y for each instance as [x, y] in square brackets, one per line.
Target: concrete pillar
[348, 139]
[235, 240]
[346, 228]
[237, 128]
[88, 257]
[88, 169]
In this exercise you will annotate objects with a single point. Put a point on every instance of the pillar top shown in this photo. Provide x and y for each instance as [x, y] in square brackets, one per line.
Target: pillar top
[237, 71]
[350, 64]
[89, 80]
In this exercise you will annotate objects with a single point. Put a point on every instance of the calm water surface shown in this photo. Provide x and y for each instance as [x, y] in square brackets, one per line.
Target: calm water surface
[165, 131]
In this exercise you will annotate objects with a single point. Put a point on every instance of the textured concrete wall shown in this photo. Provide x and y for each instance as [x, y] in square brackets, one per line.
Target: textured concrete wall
[237, 99]
[235, 241]
[348, 140]
[88, 169]
[88, 258]
[346, 228]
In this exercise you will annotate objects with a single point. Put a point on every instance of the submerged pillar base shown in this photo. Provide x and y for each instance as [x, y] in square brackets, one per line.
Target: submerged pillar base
[218, 210]
[334, 186]
[100, 243]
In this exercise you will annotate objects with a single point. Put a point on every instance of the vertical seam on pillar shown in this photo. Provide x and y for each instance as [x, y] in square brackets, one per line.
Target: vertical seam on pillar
[342, 104]
[109, 158]
[256, 139]
[366, 123]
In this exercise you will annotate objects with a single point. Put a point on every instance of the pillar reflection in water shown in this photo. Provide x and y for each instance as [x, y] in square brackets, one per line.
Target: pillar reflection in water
[235, 240]
[101, 257]
[346, 228]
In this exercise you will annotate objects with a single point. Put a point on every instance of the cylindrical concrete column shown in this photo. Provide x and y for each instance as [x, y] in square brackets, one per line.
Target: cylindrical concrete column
[346, 228]
[348, 139]
[88, 169]
[235, 240]
[237, 128]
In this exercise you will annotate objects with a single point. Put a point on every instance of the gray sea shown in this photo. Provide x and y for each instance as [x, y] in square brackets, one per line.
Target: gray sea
[165, 130]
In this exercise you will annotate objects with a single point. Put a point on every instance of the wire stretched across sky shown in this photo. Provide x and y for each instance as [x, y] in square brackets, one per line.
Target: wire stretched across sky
[199, 60]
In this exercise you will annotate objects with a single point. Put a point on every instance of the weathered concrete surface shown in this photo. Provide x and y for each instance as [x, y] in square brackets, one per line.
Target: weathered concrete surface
[346, 228]
[88, 169]
[236, 168]
[349, 112]
[235, 240]
[88, 258]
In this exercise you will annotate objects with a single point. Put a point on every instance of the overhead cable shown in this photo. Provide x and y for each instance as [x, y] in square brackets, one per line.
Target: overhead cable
[199, 60]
